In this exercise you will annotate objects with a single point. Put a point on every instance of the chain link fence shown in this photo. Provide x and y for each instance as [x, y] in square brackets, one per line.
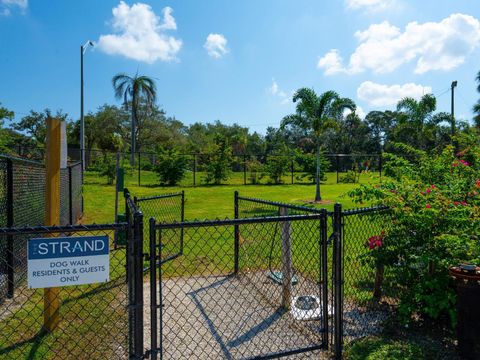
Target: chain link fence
[368, 294]
[218, 300]
[93, 318]
[22, 203]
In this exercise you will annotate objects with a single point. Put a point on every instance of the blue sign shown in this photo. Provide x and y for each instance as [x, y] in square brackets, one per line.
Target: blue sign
[52, 248]
[67, 261]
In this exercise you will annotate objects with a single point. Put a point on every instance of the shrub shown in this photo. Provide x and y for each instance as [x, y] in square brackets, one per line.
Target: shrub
[308, 165]
[218, 166]
[277, 165]
[171, 167]
[434, 203]
[255, 168]
[107, 167]
[351, 177]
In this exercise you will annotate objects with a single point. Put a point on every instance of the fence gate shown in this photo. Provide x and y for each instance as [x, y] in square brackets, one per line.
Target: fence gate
[253, 288]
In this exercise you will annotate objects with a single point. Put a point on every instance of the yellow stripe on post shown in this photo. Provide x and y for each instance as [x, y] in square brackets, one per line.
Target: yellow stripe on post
[51, 316]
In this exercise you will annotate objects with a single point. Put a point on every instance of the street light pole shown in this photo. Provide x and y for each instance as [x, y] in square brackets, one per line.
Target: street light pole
[452, 113]
[82, 120]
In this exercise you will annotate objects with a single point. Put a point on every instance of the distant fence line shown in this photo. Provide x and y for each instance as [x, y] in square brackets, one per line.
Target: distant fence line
[246, 164]
[22, 203]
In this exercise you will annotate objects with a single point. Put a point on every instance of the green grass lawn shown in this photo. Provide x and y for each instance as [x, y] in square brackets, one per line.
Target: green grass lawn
[210, 202]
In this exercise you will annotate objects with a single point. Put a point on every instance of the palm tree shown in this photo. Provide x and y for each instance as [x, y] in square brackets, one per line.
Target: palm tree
[419, 119]
[317, 114]
[132, 90]
[476, 107]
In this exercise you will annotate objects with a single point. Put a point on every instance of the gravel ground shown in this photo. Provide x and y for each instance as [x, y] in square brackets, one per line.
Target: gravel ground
[221, 317]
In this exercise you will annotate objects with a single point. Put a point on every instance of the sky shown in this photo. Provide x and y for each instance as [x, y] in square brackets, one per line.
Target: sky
[239, 61]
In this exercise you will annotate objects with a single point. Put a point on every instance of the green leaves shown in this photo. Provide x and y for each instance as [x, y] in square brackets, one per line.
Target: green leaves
[435, 207]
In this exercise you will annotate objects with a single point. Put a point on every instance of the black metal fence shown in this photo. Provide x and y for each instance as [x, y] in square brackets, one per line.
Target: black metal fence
[222, 296]
[249, 169]
[94, 318]
[361, 289]
[22, 203]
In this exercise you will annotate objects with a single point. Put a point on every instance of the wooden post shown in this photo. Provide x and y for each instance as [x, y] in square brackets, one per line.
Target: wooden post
[51, 316]
[286, 261]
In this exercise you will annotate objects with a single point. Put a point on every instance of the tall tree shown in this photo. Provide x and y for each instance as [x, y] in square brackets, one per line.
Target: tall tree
[34, 124]
[317, 113]
[417, 123]
[132, 90]
[4, 135]
[476, 107]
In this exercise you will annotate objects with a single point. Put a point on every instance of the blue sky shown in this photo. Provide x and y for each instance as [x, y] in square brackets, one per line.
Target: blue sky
[239, 61]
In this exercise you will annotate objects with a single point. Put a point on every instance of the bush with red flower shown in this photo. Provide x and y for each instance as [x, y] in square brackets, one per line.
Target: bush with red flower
[435, 221]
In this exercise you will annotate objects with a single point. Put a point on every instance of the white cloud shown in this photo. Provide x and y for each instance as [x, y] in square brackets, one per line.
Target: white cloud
[274, 90]
[331, 62]
[139, 34]
[359, 111]
[168, 20]
[386, 95]
[7, 5]
[383, 47]
[370, 5]
[216, 45]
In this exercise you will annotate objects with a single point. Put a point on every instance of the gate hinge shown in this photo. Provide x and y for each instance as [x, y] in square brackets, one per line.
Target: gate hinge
[331, 237]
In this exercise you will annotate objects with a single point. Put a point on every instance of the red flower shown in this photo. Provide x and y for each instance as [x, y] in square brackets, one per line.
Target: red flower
[455, 163]
[464, 203]
[429, 190]
[463, 162]
[376, 241]
[428, 206]
[433, 186]
[456, 203]
[477, 183]
[421, 192]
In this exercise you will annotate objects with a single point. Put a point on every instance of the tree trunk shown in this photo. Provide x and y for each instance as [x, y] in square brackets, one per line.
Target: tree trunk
[134, 119]
[377, 290]
[318, 197]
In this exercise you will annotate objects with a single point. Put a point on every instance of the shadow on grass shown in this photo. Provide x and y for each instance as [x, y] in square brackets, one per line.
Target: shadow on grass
[35, 342]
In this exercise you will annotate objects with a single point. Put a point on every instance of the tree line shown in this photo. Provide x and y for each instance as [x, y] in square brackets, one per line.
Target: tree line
[322, 123]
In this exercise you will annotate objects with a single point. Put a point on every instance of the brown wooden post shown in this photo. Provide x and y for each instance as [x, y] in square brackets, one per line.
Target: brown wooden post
[286, 261]
[51, 316]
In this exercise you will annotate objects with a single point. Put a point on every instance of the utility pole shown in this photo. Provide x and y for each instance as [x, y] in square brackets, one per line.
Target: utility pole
[82, 120]
[452, 113]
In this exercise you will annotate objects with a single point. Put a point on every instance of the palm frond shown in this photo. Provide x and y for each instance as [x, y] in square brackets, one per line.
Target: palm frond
[295, 120]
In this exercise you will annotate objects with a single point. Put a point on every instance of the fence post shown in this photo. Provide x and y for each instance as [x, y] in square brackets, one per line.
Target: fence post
[380, 166]
[126, 195]
[244, 169]
[10, 265]
[286, 261]
[237, 236]
[139, 168]
[324, 272]
[182, 218]
[70, 207]
[51, 300]
[153, 288]
[338, 166]
[137, 269]
[292, 169]
[338, 280]
[194, 168]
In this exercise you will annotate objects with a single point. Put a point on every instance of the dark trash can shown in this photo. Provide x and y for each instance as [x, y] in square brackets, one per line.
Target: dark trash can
[467, 281]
